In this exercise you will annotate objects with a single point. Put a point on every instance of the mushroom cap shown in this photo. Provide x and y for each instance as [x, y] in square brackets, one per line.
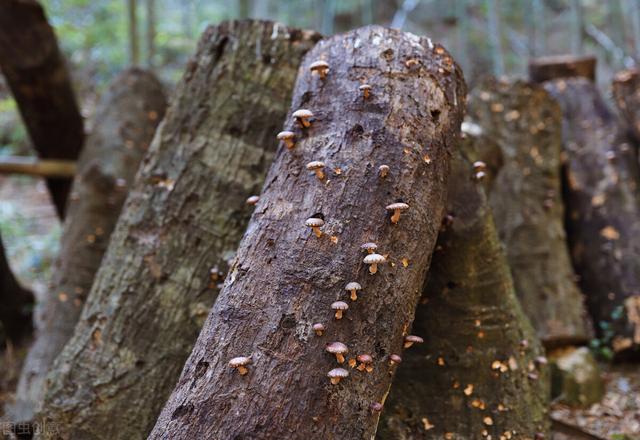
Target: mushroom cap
[365, 87]
[369, 245]
[364, 358]
[302, 113]
[336, 347]
[353, 286]
[318, 326]
[315, 165]
[374, 259]
[338, 372]
[479, 165]
[395, 358]
[239, 361]
[414, 338]
[318, 65]
[384, 167]
[399, 205]
[339, 305]
[253, 200]
[285, 135]
[314, 222]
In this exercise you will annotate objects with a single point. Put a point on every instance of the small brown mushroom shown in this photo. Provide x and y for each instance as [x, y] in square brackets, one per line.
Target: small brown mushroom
[288, 138]
[394, 359]
[320, 67]
[339, 307]
[376, 407]
[337, 374]
[240, 363]
[365, 362]
[384, 170]
[253, 200]
[409, 340]
[302, 116]
[353, 287]
[370, 247]
[365, 89]
[318, 328]
[373, 260]
[315, 224]
[397, 208]
[338, 349]
[317, 167]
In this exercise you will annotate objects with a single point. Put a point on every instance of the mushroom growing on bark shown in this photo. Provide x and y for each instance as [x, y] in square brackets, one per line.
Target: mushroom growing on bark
[373, 260]
[288, 138]
[302, 116]
[337, 374]
[253, 200]
[370, 247]
[365, 362]
[353, 287]
[339, 307]
[365, 89]
[409, 340]
[394, 359]
[317, 167]
[240, 363]
[397, 208]
[384, 170]
[315, 224]
[318, 328]
[320, 67]
[338, 349]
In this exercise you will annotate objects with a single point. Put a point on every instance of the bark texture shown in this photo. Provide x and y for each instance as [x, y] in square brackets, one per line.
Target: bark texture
[526, 198]
[475, 376]
[284, 278]
[181, 225]
[40, 83]
[562, 66]
[126, 120]
[626, 94]
[603, 210]
[15, 304]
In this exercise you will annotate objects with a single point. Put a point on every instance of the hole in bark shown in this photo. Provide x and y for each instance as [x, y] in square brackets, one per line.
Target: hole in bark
[318, 215]
[139, 364]
[380, 351]
[451, 285]
[288, 321]
[267, 59]
[387, 54]
[435, 115]
[219, 49]
[182, 411]
[201, 368]
[306, 97]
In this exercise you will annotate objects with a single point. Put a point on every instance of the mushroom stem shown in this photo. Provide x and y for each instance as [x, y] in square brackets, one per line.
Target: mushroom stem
[242, 370]
[408, 344]
[365, 93]
[361, 367]
[395, 218]
[317, 231]
[338, 316]
[339, 357]
[335, 380]
[371, 251]
[373, 268]
[289, 143]
[304, 122]
[319, 332]
[354, 295]
[319, 174]
[369, 369]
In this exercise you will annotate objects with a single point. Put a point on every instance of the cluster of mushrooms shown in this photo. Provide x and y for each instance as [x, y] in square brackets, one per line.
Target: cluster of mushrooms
[362, 362]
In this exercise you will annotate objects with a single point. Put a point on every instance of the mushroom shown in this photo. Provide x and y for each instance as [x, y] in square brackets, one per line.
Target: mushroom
[365, 362]
[318, 328]
[240, 363]
[253, 200]
[302, 116]
[376, 407]
[479, 166]
[365, 89]
[397, 208]
[288, 138]
[394, 359]
[337, 374]
[339, 349]
[384, 170]
[480, 175]
[320, 67]
[373, 260]
[315, 224]
[317, 167]
[339, 307]
[353, 287]
[370, 247]
[409, 340]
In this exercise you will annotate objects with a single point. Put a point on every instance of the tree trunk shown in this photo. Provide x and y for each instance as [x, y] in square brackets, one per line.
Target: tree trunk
[476, 374]
[562, 66]
[526, 200]
[126, 121]
[603, 211]
[39, 81]
[183, 221]
[15, 305]
[575, 33]
[134, 51]
[495, 36]
[285, 278]
[151, 32]
[626, 94]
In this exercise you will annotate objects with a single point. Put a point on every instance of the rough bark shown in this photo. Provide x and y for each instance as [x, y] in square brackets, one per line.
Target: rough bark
[626, 94]
[476, 374]
[284, 278]
[526, 198]
[562, 66]
[15, 304]
[39, 81]
[126, 119]
[181, 225]
[603, 210]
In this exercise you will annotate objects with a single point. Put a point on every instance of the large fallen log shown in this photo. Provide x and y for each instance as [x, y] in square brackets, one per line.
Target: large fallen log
[126, 120]
[525, 122]
[562, 66]
[182, 224]
[40, 83]
[603, 211]
[16, 304]
[479, 373]
[286, 278]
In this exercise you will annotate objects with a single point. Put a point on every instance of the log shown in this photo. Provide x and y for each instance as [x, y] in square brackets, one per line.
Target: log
[476, 375]
[15, 305]
[35, 167]
[40, 83]
[526, 199]
[285, 278]
[562, 66]
[626, 95]
[603, 211]
[182, 224]
[127, 117]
